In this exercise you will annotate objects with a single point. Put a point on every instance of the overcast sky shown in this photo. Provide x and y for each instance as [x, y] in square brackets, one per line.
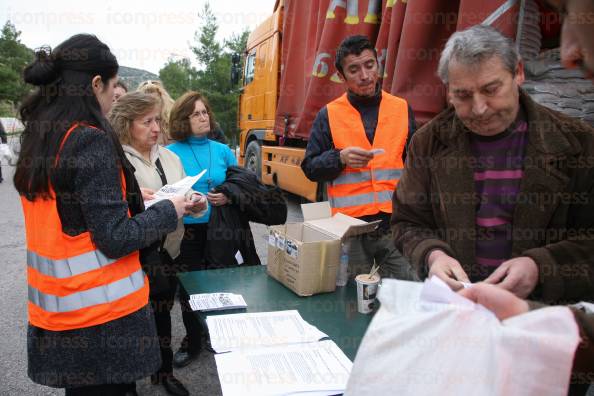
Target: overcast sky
[142, 34]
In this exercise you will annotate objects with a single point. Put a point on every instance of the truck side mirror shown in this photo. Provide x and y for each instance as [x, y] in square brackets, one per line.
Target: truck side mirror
[235, 68]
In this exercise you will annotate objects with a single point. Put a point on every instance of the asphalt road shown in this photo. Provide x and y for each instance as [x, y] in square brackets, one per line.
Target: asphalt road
[200, 377]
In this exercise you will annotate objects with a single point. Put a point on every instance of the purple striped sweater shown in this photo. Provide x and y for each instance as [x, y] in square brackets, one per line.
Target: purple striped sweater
[497, 178]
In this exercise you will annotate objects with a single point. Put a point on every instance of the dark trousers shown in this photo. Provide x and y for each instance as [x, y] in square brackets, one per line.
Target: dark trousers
[103, 390]
[162, 304]
[191, 258]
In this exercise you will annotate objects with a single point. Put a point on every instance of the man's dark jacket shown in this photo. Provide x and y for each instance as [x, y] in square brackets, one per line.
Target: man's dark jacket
[553, 222]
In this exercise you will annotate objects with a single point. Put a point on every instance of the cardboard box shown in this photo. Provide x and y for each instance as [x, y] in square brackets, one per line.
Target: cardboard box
[305, 256]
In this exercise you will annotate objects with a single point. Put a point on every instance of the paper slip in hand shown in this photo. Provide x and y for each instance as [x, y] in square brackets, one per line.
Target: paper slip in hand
[216, 301]
[318, 368]
[377, 151]
[466, 285]
[178, 188]
[436, 295]
[246, 330]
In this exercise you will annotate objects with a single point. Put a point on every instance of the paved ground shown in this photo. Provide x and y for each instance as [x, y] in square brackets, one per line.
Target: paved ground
[200, 377]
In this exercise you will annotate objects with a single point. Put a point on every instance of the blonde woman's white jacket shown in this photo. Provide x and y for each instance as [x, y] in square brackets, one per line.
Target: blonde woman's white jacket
[148, 177]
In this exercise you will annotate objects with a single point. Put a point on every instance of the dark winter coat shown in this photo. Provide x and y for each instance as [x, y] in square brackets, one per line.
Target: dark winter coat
[553, 222]
[90, 199]
[229, 229]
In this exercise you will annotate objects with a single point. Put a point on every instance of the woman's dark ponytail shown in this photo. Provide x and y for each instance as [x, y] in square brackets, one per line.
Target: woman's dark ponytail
[44, 69]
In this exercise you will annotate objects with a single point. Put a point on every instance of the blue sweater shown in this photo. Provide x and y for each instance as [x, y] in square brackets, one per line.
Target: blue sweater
[198, 153]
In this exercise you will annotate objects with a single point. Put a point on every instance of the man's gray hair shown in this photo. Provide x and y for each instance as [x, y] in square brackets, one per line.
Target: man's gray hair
[475, 45]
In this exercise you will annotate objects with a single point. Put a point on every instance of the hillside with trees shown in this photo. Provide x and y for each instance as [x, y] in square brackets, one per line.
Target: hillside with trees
[133, 77]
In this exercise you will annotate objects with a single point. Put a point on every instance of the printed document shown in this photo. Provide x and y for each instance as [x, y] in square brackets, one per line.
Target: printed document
[230, 332]
[318, 368]
[180, 187]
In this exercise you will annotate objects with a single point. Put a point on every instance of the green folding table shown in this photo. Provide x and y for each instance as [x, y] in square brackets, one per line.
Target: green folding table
[333, 313]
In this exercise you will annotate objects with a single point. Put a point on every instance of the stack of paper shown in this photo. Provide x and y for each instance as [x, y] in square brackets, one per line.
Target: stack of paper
[216, 301]
[318, 368]
[276, 353]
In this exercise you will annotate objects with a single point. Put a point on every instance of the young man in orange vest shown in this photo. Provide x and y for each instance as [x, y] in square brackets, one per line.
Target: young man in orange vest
[357, 147]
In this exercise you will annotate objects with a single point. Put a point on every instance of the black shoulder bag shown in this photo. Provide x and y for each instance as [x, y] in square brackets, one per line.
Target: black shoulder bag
[157, 262]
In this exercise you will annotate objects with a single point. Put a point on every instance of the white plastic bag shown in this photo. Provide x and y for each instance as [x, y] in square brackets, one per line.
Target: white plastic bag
[426, 340]
[5, 152]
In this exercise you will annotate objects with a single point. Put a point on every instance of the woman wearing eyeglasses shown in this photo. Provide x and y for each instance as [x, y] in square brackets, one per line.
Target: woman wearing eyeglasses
[191, 121]
[136, 119]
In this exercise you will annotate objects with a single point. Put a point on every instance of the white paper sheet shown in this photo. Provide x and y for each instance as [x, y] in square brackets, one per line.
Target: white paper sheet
[230, 332]
[216, 301]
[239, 258]
[180, 187]
[318, 367]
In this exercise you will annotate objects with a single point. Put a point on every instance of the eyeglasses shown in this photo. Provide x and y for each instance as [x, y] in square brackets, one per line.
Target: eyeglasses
[197, 114]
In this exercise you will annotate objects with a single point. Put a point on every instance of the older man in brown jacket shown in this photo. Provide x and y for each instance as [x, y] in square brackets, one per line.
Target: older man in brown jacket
[577, 49]
[498, 188]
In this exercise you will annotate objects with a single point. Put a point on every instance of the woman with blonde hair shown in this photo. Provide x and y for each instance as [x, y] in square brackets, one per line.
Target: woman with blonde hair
[156, 88]
[136, 119]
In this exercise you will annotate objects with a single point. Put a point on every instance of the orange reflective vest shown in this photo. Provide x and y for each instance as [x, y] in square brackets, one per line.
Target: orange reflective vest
[71, 283]
[368, 191]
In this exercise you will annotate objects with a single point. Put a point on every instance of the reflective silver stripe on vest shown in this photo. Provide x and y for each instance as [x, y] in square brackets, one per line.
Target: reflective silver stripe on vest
[361, 199]
[359, 177]
[351, 178]
[68, 267]
[351, 200]
[387, 174]
[87, 298]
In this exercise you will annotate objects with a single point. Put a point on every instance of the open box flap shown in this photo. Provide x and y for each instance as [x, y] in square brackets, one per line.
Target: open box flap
[316, 210]
[318, 215]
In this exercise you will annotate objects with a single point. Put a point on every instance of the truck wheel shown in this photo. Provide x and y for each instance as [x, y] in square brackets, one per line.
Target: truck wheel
[253, 158]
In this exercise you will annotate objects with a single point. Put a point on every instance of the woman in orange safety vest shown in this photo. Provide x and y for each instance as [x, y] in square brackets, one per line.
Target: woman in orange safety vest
[90, 328]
